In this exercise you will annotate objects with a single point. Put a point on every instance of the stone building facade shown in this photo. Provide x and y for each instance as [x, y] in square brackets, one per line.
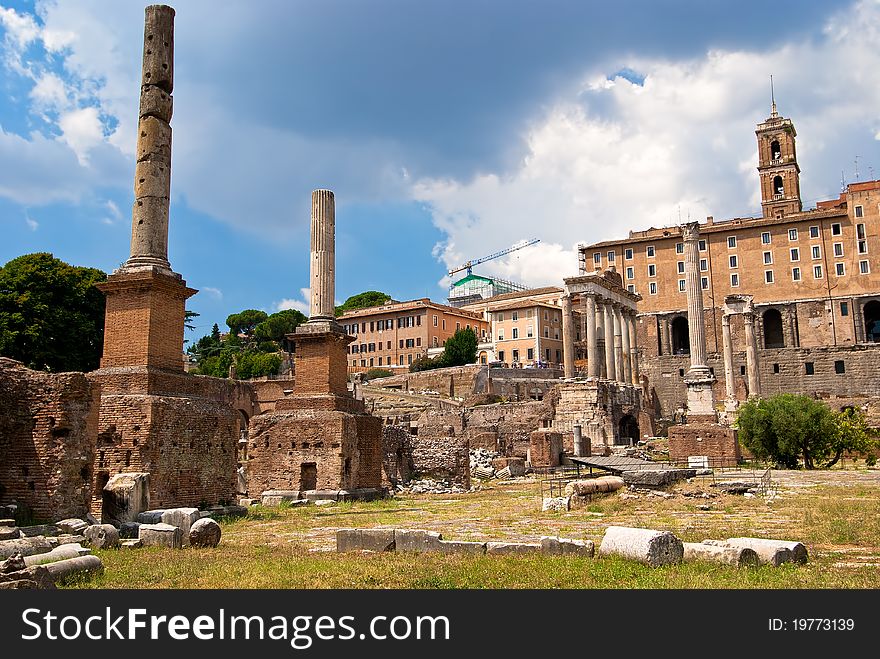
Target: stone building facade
[813, 275]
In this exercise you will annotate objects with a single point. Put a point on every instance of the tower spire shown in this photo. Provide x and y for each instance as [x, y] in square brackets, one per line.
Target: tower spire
[773, 112]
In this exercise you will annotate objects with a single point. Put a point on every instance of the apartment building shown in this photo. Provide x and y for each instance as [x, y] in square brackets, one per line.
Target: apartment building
[394, 335]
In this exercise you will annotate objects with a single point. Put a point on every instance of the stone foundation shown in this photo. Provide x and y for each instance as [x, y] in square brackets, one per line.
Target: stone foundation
[717, 442]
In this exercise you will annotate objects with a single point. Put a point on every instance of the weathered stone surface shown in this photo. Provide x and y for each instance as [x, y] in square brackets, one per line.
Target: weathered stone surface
[152, 179]
[24, 546]
[516, 465]
[102, 536]
[154, 140]
[182, 518]
[8, 522]
[73, 567]
[594, 485]
[738, 556]
[768, 553]
[160, 535]
[555, 504]
[797, 549]
[158, 62]
[416, 540]
[498, 548]
[205, 533]
[73, 526]
[129, 530]
[276, 497]
[42, 529]
[461, 547]
[31, 578]
[656, 477]
[234, 511]
[647, 546]
[156, 102]
[132, 543]
[14, 563]
[7, 533]
[562, 546]
[365, 539]
[125, 496]
[60, 553]
[151, 516]
[66, 539]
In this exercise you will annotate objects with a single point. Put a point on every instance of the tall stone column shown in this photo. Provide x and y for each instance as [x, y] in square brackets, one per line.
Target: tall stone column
[618, 345]
[752, 356]
[593, 358]
[152, 178]
[625, 349]
[322, 269]
[729, 383]
[699, 378]
[665, 335]
[567, 338]
[608, 323]
[633, 349]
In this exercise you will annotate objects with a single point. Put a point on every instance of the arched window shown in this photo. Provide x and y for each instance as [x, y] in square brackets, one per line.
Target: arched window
[872, 321]
[775, 151]
[681, 339]
[773, 336]
[777, 185]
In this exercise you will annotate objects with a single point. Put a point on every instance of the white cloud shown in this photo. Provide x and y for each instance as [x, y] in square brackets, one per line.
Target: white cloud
[33, 225]
[610, 156]
[82, 131]
[303, 304]
[215, 293]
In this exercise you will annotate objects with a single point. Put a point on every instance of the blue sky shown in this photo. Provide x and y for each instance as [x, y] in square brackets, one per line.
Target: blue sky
[448, 130]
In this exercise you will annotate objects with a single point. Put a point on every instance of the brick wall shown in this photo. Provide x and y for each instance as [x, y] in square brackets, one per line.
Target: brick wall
[48, 427]
[439, 452]
[545, 448]
[717, 442]
[320, 364]
[397, 464]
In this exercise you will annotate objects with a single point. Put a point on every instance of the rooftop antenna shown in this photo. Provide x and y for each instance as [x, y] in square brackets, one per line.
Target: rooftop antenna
[857, 168]
[871, 171]
[842, 182]
[773, 112]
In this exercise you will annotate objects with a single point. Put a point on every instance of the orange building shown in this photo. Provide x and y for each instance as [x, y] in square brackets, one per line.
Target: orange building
[395, 334]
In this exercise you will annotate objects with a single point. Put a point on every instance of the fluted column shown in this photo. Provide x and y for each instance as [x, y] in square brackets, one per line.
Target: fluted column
[696, 324]
[624, 336]
[608, 323]
[322, 273]
[633, 349]
[152, 178]
[752, 356]
[567, 338]
[618, 344]
[728, 360]
[593, 366]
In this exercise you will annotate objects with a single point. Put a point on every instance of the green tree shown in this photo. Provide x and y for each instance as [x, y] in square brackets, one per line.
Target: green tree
[362, 301]
[188, 317]
[246, 321]
[853, 435]
[460, 348]
[277, 326]
[51, 314]
[215, 333]
[788, 428]
[374, 373]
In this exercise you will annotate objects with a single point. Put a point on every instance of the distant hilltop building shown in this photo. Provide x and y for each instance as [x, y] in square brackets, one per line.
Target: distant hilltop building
[473, 288]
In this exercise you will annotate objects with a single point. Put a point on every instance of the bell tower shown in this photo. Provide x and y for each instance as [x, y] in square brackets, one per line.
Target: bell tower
[777, 164]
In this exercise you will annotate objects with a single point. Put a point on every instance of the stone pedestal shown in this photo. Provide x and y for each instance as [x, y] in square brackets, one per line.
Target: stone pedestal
[704, 437]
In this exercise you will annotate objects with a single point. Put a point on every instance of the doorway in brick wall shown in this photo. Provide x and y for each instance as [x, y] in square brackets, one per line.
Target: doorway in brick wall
[308, 476]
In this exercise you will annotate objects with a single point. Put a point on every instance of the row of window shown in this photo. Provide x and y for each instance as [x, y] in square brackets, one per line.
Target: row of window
[383, 361]
[378, 325]
[529, 333]
[836, 230]
[499, 316]
[530, 355]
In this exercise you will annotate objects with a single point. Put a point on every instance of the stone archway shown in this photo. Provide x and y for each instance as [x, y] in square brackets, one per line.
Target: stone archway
[871, 312]
[773, 334]
[628, 430]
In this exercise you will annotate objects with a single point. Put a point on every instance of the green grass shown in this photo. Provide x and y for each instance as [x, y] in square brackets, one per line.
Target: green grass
[292, 547]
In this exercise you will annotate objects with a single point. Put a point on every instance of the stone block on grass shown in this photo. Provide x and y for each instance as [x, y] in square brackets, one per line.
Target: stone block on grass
[654, 548]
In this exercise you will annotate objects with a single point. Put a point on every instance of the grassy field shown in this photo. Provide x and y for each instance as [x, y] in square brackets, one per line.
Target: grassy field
[837, 517]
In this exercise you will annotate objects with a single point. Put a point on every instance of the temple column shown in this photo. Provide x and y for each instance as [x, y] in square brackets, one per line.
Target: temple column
[593, 358]
[752, 356]
[618, 345]
[729, 382]
[633, 349]
[567, 338]
[608, 323]
[625, 350]
[699, 378]
[322, 266]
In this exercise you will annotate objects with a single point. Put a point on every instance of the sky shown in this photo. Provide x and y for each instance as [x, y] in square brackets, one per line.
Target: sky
[448, 130]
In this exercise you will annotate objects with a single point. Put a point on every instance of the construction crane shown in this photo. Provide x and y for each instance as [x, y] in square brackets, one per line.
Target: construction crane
[470, 264]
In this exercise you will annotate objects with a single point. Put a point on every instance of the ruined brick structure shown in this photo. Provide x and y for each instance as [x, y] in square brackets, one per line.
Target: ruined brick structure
[320, 437]
[47, 440]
